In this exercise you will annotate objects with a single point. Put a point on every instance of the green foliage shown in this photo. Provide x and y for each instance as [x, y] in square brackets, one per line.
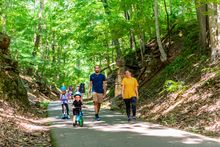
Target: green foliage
[173, 77]
[76, 34]
[169, 120]
[44, 104]
[172, 86]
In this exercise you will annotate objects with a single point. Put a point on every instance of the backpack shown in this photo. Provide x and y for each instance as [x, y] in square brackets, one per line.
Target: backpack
[82, 88]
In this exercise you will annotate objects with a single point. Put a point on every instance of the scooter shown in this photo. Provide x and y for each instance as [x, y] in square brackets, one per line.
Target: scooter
[78, 119]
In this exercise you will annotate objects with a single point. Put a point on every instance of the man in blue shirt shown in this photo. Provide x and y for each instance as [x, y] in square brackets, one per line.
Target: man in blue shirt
[98, 86]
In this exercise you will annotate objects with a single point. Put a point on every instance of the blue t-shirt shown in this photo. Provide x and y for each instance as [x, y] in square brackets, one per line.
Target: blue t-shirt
[97, 82]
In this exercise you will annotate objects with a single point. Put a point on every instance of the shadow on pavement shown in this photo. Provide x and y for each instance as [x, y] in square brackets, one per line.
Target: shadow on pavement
[114, 130]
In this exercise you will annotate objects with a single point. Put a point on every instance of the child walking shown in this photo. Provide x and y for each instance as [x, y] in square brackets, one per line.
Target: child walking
[64, 102]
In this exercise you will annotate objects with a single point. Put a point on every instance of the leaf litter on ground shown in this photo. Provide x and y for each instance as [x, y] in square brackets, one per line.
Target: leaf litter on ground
[23, 128]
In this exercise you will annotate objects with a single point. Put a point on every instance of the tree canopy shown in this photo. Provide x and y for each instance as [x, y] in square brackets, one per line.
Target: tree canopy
[63, 39]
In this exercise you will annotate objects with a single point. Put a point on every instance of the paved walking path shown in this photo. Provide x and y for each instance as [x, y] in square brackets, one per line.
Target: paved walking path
[114, 131]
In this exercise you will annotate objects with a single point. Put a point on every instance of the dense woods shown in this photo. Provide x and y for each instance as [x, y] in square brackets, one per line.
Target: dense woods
[68, 37]
[169, 45]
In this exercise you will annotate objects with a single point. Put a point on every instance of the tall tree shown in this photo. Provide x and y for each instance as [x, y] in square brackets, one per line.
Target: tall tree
[214, 30]
[131, 33]
[208, 15]
[119, 57]
[163, 56]
[39, 26]
[202, 9]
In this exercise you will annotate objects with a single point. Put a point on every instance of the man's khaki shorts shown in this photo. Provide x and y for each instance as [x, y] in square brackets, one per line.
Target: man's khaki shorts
[97, 97]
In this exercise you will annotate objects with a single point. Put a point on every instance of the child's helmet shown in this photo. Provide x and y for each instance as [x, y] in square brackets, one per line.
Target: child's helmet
[63, 88]
[77, 94]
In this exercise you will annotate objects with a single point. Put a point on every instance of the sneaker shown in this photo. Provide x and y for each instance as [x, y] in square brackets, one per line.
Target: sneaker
[129, 119]
[68, 117]
[63, 116]
[134, 117]
[74, 124]
[97, 118]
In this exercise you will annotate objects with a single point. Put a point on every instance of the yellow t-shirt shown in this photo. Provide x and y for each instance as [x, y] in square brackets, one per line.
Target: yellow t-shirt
[130, 85]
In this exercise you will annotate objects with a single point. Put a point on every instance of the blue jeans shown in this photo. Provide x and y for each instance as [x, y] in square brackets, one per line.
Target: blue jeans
[130, 104]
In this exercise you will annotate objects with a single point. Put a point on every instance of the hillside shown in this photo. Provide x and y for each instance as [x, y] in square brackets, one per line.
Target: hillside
[22, 104]
[183, 93]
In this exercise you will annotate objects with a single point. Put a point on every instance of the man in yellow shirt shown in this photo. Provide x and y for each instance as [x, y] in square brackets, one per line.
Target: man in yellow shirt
[130, 93]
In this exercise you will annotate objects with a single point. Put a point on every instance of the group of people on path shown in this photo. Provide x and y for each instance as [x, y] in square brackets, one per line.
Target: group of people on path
[98, 86]
[65, 95]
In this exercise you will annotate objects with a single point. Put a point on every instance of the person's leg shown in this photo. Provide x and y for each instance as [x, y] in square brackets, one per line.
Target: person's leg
[67, 108]
[133, 104]
[74, 116]
[95, 102]
[128, 107]
[63, 108]
[98, 107]
[99, 100]
[95, 107]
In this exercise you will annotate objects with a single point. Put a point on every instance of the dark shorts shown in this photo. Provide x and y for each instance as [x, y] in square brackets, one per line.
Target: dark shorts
[76, 111]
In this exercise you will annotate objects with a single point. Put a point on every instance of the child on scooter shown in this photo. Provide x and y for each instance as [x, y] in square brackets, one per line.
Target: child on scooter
[64, 102]
[77, 106]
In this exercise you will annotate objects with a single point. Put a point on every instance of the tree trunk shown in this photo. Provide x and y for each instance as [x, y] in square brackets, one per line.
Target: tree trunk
[209, 21]
[39, 27]
[214, 23]
[119, 58]
[171, 12]
[168, 23]
[142, 47]
[131, 34]
[163, 56]
[201, 9]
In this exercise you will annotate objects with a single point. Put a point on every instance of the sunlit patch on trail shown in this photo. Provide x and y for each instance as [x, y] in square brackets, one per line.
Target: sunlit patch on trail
[112, 122]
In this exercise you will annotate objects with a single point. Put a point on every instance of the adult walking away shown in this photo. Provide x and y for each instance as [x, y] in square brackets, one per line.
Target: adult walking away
[98, 86]
[130, 94]
[82, 90]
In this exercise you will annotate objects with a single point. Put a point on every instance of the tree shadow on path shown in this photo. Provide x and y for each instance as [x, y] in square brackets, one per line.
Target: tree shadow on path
[114, 130]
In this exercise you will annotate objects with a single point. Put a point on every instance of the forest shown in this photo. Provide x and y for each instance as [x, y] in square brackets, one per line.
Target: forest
[172, 48]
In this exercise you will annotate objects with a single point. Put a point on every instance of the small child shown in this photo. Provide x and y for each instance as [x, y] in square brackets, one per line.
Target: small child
[77, 105]
[64, 101]
[70, 91]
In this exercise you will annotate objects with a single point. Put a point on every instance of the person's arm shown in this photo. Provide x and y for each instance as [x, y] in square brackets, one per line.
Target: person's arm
[136, 90]
[60, 97]
[122, 88]
[89, 89]
[104, 85]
